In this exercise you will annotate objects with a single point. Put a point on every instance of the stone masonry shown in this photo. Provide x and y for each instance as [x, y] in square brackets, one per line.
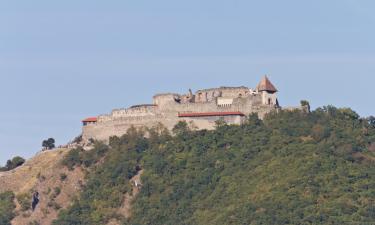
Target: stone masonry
[201, 109]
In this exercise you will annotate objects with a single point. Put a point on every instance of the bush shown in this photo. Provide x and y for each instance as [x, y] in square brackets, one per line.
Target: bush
[54, 205]
[7, 208]
[13, 163]
[24, 200]
[56, 192]
[181, 128]
[78, 156]
[34, 223]
[63, 176]
[73, 158]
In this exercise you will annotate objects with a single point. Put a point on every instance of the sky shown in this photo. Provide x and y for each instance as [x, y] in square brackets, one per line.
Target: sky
[62, 61]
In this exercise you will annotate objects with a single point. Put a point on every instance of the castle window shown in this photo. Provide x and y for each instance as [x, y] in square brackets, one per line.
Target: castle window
[269, 101]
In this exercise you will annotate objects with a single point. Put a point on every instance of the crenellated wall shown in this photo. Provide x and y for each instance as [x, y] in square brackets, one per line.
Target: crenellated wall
[167, 107]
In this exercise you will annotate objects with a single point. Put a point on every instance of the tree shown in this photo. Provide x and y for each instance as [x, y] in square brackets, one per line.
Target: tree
[8, 165]
[371, 121]
[13, 163]
[49, 143]
[181, 128]
[305, 103]
[349, 113]
[253, 119]
[220, 123]
[17, 161]
[319, 132]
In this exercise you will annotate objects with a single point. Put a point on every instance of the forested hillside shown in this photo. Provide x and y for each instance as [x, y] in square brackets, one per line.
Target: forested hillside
[291, 168]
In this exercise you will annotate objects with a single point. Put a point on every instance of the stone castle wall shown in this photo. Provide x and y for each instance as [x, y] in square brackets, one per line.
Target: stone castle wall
[167, 107]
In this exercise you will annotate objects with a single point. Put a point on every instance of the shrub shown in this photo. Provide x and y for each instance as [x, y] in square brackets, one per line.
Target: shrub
[13, 163]
[73, 158]
[63, 176]
[24, 200]
[7, 207]
[56, 192]
[34, 223]
[54, 205]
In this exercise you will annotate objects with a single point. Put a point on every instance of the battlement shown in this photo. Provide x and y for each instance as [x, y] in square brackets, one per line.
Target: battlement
[211, 94]
[202, 108]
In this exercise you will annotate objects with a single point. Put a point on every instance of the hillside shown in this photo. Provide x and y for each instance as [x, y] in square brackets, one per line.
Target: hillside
[290, 168]
[42, 173]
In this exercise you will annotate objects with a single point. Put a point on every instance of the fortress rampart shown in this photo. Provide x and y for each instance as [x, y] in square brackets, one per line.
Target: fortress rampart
[202, 109]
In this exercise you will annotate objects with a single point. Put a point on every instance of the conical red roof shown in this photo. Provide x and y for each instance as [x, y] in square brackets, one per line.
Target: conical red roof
[266, 85]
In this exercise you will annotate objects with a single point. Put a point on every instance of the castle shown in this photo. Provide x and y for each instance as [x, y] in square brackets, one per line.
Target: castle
[202, 109]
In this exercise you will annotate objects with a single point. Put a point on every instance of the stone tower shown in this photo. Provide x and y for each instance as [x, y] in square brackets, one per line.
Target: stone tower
[268, 92]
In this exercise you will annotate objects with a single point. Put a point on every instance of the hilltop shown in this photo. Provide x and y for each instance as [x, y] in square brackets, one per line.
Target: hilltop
[202, 108]
[293, 167]
[290, 168]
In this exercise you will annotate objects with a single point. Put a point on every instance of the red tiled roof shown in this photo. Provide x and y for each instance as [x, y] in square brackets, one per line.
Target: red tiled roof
[90, 119]
[266, 85]
[196, 114]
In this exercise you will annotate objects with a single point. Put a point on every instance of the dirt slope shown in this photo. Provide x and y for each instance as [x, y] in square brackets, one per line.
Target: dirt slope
[125, 209]
[44, 174]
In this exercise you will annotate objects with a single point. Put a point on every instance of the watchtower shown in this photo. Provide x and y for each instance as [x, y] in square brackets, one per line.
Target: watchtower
[268, 92]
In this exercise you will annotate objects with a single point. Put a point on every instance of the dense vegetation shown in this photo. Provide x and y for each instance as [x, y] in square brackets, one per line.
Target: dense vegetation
[13, 163]
[7, 207]
[291, 168]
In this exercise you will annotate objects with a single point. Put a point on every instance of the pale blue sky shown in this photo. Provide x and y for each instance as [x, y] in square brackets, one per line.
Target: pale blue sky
[61, 61]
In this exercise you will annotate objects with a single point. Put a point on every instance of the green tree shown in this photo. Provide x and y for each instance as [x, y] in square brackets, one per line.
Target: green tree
[349, 114]
[181, 128]
[371, 121]
[17, 161]
[253, 119]
[13, 163]
[305, 103]
[220, 123]
[48, 143]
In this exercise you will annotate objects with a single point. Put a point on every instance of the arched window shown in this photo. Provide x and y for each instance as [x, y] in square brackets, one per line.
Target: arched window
[269, 101]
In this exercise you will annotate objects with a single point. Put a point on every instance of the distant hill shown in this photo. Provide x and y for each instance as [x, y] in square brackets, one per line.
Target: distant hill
[290, 168]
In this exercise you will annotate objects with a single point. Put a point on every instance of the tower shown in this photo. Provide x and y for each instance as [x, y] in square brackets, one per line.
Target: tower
[268, 92]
